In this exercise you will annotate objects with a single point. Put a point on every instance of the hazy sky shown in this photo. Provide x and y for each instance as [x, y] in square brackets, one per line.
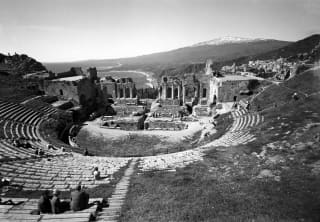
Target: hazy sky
[66, 30]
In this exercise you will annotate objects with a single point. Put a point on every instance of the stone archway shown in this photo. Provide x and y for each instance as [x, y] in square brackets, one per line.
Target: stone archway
[169, 92]
[176, 93]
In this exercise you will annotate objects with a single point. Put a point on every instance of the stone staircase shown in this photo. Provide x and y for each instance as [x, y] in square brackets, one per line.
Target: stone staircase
[112, 213]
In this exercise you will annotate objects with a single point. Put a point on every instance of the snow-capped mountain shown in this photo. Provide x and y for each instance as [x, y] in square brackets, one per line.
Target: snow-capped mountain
[228, 39]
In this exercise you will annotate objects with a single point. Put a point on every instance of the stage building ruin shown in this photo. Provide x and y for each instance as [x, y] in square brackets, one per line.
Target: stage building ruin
[197, 93]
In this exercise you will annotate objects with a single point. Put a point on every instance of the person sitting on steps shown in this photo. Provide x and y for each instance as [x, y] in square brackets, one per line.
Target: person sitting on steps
[79, 199]
[55, 202]
[44, 205]
[96, 173]
[86, 152]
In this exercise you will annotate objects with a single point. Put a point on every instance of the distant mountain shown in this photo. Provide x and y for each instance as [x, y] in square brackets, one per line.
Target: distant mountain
[309, 45]
[227, 40]
[305, 45]
[218, 50]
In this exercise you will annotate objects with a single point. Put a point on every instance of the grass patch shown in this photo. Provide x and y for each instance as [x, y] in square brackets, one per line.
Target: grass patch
[132, 145]
[225, 187]
[218, 190]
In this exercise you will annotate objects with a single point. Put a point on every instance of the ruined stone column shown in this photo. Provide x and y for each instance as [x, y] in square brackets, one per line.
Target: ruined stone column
[196, 92]
[131, 95]
[118, 91]
[183, 94]
[164, 90]
[172, 92]
[159, 92]
[200, 93]
[124, 91]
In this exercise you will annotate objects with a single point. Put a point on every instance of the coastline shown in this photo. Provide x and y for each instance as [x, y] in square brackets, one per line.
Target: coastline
[149, 76]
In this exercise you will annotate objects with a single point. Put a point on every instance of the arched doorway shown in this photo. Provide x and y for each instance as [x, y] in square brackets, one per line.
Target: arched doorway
[176, 93]
[169, 92]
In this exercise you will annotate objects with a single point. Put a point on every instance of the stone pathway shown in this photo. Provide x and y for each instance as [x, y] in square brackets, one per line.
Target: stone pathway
[117, 199]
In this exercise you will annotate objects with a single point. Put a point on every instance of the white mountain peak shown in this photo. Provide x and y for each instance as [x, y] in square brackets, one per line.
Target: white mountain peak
[228, 39]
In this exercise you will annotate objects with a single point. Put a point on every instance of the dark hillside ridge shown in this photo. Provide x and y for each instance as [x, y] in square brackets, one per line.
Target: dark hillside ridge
[302, 46]
[19, 64]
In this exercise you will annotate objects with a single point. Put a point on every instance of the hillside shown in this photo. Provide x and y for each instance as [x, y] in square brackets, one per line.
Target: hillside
[307, 48]
[192, 54]
[19, 64]
[309, 45]
[13, 87]
[273, 178]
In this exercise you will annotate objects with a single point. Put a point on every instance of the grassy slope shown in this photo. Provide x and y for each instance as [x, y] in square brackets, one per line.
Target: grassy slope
[133, 145]
[303, 84]
[225, 187]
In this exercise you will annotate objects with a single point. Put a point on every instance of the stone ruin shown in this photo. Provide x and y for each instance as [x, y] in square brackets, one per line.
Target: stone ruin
[196, 93]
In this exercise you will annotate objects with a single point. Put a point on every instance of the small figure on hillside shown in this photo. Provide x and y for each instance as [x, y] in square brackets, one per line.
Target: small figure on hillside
[96, 173]
[295, 96]
[39, 151]
[4, 182]
[55, 202]
[49, 146]
[16, 143]
[86, 152]
[248, 106]
[79, 199]
[27, 145]
[44, 204]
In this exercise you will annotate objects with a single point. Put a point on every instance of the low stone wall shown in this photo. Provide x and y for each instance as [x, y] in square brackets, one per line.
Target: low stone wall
[170, 102]
[163, 124]
[168, 111]
[127, 110]
[201, 110]
[125, 101]
[126, 123]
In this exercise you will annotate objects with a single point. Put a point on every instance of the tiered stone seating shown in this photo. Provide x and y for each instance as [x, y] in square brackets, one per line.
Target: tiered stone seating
[60, 172]
[170, 161]
[21, 212]
[236, 135]
[18, 121]
[40, 106]
[244, 120]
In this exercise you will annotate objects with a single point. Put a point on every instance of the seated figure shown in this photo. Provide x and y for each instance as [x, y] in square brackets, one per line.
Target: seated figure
[44, 205]
[96, 173]
[79, 199]
[55, 202]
